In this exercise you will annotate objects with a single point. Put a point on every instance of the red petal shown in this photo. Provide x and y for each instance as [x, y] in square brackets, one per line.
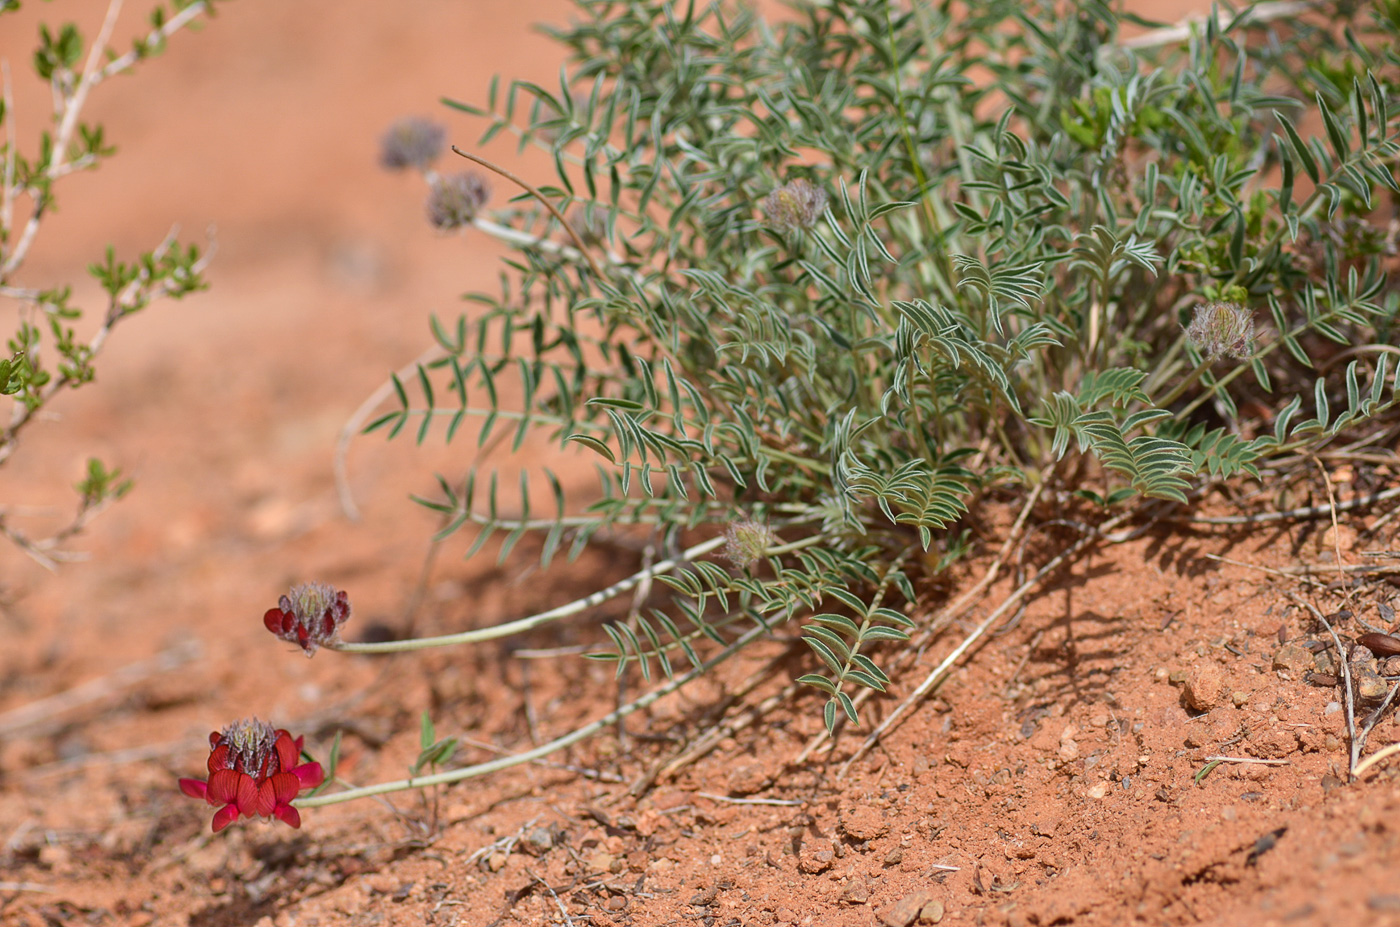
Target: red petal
[288, 815]
[309, 775]
[247, 795]
[286, 751]
[273, 620]
[218, 758]
[285, 787]
[215, 738]
[194, 788]
[224, 817]
[266, 800]
[224, 785]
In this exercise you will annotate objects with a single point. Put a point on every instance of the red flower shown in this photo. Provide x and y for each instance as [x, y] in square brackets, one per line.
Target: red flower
[253, 771]
[309, 616]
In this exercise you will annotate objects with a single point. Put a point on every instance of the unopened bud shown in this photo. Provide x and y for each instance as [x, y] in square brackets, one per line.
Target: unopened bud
[1218, 329]
[796, 204]
[411, 142]
[745, 543]
[455, 200]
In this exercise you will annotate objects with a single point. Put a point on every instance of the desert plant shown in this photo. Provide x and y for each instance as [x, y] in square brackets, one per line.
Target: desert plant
[47, 356]
[808, 288]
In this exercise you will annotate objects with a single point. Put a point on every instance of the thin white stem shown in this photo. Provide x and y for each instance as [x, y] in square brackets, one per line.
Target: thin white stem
[516, 237]
[156, 36]
[1257, 15]
[1375, 758]
[117, 309]
[583, 733]
[72, 107]
[542, 618]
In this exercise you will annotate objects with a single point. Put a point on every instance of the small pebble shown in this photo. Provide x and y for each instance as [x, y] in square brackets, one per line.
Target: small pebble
[1293, 658]
[538, 841]
[908, 909]
[1369, 685]
[1204, 686]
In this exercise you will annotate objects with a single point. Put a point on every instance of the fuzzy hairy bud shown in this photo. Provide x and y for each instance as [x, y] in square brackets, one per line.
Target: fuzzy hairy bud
[1218, 329]
[797, 204]
[454, 200]
[745, 542]
[411, 142]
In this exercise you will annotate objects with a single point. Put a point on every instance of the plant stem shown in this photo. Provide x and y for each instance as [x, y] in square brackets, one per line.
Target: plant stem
[559, 743]
[563, 611]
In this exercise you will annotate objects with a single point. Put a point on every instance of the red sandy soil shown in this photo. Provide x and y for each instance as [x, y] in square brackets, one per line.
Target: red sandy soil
[1053, 780]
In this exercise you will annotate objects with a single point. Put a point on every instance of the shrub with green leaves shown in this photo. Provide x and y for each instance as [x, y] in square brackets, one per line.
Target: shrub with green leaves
[46, 355]
[823, 281]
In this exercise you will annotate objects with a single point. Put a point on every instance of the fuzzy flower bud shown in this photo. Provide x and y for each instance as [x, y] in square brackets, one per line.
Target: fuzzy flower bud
[411, 142]
[456, 199]
[745, 542]
[1218, 329]
[253, 771]
[310, 616]
[796, 204]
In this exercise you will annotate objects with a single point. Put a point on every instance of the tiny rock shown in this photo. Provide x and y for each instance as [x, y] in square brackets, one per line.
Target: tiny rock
[931, 913]
[538, 841]
[815, 858]
[864, 822]
[496, 861]
[1369, 685]
[1069, 748]
[857, 892]
[601, 861]
[907, 909]
[1294, 658]
[1204, 686]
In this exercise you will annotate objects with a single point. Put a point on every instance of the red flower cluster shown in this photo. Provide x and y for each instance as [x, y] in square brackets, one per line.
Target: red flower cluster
[309, 616]
[253, 771]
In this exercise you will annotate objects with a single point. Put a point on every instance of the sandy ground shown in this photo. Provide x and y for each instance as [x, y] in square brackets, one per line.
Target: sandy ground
[1055, 780]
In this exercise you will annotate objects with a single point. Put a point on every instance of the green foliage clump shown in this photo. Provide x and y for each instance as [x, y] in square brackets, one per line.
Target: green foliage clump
[842, 272]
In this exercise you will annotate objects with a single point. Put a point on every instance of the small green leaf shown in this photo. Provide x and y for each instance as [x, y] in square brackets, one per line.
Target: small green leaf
[1304, 155]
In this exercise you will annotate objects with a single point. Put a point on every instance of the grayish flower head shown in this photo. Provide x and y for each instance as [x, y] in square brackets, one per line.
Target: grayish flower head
[411, 142]
[455, 200]
[1218, 329]
[797, 204]
[745, 542]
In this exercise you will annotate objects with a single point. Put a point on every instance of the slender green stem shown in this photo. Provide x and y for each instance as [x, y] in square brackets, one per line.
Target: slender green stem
[572, 608]
[534, 621]
[559, 743]
[1186, 383]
